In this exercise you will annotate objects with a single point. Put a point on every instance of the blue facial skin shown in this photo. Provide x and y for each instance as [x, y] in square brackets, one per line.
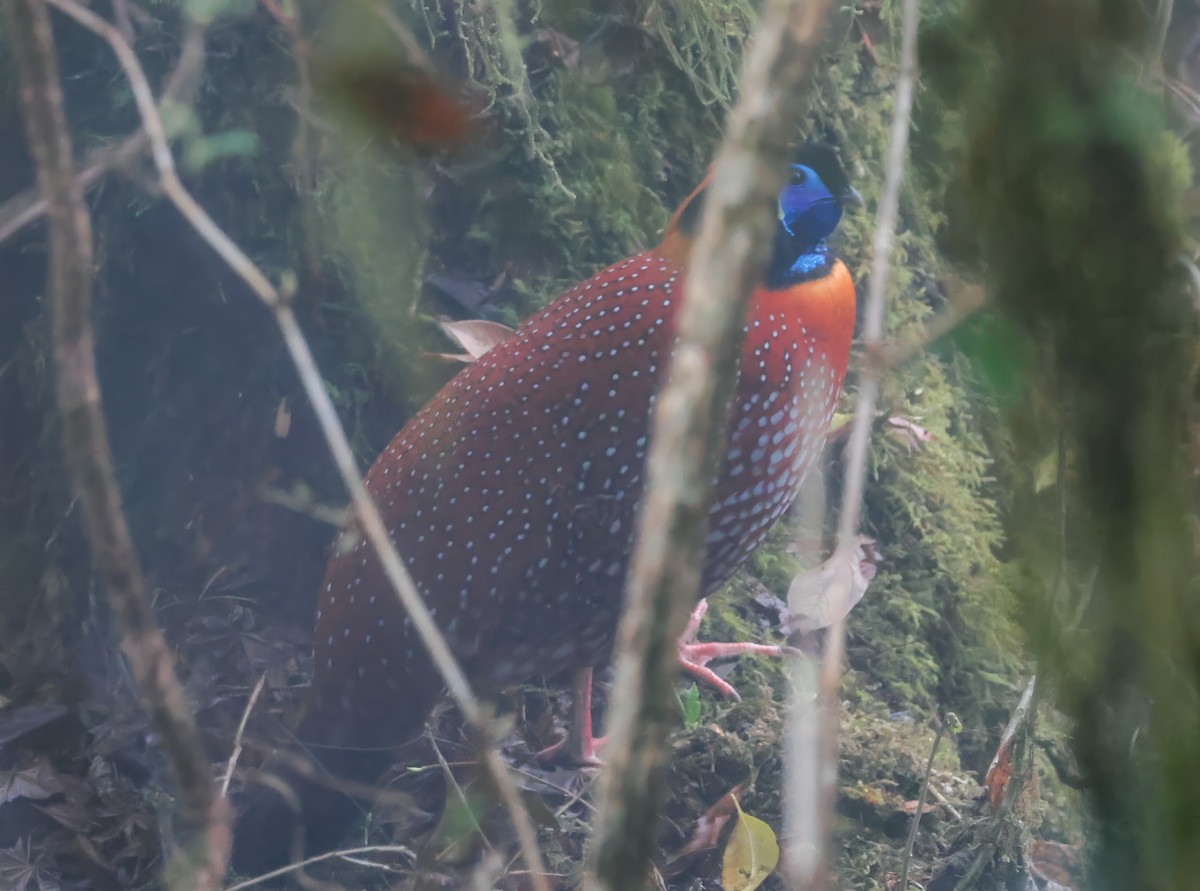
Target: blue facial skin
[808, 214]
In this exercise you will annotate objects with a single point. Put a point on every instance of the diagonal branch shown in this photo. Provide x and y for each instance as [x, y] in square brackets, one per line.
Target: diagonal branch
[205, 817]
[364, 506]
[689, 422]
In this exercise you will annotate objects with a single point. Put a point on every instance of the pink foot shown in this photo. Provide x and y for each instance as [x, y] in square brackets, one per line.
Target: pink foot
[578, 748]
[694, 657]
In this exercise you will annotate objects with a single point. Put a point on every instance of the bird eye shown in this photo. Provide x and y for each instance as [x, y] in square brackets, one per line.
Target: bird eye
[799, 176]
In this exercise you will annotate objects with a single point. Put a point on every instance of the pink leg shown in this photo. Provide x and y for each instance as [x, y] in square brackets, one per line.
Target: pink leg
[694, 657]
[579, 747]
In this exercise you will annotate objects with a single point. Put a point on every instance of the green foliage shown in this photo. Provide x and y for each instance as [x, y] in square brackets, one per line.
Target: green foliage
[690, 707]
[1070, 203]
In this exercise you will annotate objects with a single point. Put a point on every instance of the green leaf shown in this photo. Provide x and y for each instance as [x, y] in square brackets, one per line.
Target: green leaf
[1045, 474]
[689, 704]
[204, 150]
[751, 854]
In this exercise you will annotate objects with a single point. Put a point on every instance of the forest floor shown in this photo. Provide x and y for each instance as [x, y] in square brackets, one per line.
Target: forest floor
[87, 802]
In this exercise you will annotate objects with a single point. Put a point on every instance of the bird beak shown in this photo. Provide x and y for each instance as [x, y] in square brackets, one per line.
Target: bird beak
[853, 198]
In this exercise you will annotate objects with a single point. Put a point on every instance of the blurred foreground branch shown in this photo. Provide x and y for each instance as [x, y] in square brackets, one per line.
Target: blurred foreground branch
[1080, 232]
[689, 422]
[816, 707]
[205, 816]
[278, 301]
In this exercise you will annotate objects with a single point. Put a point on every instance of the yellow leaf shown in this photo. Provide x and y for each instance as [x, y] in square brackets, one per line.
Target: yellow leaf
[751, 854]
[1045, 472]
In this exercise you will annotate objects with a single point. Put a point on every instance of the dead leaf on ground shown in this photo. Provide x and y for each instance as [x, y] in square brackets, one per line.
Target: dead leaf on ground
[18, 872]
[707, 834]
[910, 807]
[16, 722]
[1055, 862]
[283, 419]
[820, 596]
[475, 336]
[38, 781]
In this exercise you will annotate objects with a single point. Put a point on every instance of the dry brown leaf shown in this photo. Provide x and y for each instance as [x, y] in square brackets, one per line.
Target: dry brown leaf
[1055, 862]
[38, 781]
[707, 833]
[283, 419]
[817, 596]
[475, 336]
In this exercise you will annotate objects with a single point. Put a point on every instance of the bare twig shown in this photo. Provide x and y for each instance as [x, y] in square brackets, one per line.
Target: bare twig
[28, 207]
[452, 781]
[946, 803]
[241, 732]
[727, 261]
[950, 721]
[966, 298]
[813, 834]
[364, 507]
[205, 816]
[1016, 737]
[330, 855]
[1162, 27]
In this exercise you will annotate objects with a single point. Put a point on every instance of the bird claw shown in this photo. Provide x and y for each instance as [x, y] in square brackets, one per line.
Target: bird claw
[694, 657]
[571, 752]
[579, 748]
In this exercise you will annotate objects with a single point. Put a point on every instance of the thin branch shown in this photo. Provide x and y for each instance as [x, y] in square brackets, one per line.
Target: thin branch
[966, 299]
[688, 435]
[231, 765]
[329, 855]
[205, 816]
[810, 860]
[1162, 27]
[365, 509]
[1017, 736]
[30, 206]
[452, 781]
[950, 720]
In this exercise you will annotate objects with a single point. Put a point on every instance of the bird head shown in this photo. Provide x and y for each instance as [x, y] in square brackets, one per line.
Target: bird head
[810, 208]
[810, 205]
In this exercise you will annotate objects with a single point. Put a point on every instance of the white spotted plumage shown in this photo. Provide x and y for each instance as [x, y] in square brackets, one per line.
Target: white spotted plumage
[512, 495]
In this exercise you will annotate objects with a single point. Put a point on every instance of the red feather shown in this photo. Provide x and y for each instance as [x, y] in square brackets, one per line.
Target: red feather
[512, 495]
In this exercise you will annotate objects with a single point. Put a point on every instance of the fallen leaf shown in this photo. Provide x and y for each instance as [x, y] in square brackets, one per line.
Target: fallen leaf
[1055, 862]
[17, 871]
[751, 854]
[1045, 472]
[475, 336]
[707, 833]
[283, 419]
[910, 807]
[15, 723]
[39, 781]
[839, 425]
[910, 432]
[820, 596]
[1000, 771]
